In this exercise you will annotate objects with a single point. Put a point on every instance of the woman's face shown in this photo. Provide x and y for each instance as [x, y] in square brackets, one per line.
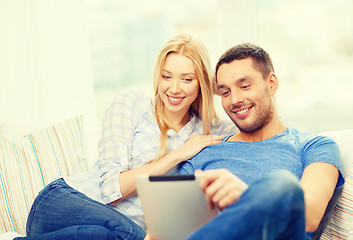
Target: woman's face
[178, 86]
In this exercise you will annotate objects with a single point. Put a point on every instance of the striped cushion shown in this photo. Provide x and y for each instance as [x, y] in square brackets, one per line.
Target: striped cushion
[342, 217]
[28, 163]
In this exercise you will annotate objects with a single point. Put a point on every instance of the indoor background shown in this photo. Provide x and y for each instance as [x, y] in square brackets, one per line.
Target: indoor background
[60, 58]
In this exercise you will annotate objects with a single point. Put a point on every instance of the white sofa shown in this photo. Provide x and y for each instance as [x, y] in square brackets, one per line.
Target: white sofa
[67, 148]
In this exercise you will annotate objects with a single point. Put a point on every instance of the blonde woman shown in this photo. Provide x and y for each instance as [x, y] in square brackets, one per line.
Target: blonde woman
[140, 135]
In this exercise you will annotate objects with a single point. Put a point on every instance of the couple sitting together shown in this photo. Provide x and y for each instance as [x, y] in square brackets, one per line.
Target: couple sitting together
[269, 180]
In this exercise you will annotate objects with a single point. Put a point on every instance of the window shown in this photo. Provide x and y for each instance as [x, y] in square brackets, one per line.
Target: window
[126, 36]
[311, 43]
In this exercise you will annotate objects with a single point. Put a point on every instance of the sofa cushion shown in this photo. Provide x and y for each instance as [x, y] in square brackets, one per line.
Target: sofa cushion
[29, 162]
[341, 221]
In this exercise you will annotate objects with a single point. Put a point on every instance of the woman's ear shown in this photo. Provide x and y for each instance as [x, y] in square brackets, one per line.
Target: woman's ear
[273, 83]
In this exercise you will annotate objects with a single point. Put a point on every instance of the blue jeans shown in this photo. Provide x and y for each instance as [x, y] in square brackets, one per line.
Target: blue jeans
[272, 208]
[60, 212]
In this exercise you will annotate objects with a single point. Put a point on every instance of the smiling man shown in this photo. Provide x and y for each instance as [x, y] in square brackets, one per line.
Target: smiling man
[270, 181]
[248, 97]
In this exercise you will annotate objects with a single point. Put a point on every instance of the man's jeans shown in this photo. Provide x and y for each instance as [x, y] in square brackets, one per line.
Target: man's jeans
[272, 208]
[60, 212]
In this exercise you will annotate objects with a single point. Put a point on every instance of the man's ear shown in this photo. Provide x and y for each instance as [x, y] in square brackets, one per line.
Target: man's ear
[273, 83]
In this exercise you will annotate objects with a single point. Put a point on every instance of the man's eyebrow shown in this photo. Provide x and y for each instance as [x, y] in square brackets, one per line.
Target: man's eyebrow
[219, 86]
[238, 81]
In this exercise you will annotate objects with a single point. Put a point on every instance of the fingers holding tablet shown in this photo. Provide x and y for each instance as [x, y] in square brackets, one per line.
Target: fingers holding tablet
[221, 187]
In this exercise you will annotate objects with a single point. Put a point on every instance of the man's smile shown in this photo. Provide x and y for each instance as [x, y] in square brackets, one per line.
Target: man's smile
[242, 113]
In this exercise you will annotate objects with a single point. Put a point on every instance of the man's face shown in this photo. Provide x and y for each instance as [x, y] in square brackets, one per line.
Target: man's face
[246, 95]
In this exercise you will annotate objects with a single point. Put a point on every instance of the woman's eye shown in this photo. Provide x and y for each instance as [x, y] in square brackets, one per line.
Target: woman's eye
[188, 79]
[166, 77]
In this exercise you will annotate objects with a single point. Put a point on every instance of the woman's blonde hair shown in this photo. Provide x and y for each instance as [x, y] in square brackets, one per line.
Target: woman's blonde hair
[203, 106]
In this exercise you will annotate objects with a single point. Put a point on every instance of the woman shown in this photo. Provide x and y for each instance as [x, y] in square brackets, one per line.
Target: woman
[139, 136]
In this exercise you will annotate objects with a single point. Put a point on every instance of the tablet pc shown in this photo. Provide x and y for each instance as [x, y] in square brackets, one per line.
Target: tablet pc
[174, 206]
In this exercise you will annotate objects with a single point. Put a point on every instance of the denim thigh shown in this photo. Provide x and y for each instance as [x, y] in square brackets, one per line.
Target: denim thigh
[60, 208]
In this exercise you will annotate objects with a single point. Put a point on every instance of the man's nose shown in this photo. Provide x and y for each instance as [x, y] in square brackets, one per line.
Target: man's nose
[236, 98]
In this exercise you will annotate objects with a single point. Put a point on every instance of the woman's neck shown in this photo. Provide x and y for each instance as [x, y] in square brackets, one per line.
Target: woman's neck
[177, 122]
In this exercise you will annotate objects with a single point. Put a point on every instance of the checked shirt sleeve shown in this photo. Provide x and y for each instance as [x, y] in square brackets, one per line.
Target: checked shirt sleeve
[115, 146]
[223, 127]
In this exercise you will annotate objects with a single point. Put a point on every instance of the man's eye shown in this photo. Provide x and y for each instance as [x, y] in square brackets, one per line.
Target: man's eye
[225, 93]
[245, 86]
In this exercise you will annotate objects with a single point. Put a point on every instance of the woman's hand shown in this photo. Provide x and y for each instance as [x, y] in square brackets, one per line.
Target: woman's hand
[195, 144]
[161, 166]
[221, 187]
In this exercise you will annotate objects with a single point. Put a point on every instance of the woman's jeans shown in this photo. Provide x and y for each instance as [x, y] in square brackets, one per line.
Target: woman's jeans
[60, 212]
[272, 208]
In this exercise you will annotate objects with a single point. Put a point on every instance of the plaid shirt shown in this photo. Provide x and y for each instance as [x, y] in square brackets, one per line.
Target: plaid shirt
[130, 139]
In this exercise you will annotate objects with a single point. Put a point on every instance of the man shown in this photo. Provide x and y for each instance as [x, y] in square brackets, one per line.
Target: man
[254, 177]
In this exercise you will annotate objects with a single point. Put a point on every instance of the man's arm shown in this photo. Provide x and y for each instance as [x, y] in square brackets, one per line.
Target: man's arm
[318, 182]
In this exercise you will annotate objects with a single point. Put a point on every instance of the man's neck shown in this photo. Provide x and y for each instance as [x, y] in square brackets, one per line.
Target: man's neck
[266, 132]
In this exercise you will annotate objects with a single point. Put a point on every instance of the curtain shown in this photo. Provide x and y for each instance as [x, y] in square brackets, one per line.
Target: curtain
[45, 62]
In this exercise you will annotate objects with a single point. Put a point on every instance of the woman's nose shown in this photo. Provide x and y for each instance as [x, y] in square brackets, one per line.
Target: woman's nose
[175, 87]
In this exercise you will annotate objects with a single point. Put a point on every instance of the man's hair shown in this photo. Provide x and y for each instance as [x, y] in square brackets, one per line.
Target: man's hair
[261, 59]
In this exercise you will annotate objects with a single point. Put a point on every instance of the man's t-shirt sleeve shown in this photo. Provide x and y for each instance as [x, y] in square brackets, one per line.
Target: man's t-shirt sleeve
[186, 168]
[323, 149]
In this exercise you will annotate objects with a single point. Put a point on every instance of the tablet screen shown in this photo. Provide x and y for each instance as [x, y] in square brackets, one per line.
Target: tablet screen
[174, 205]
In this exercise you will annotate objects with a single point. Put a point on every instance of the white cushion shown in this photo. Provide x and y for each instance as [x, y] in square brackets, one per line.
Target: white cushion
[21, 128]
[29, 162]
[9, 235]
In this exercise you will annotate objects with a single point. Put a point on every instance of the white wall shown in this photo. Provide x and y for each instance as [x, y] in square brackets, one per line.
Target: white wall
[45, 62]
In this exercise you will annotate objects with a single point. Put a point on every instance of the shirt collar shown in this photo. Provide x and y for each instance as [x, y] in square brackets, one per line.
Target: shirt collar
[187, 129]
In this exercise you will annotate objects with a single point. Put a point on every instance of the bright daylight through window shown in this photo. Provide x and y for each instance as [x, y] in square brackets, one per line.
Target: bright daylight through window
[310, 42]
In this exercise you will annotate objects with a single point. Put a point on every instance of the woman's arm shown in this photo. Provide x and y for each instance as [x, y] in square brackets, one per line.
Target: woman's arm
[116, 143]
[161, 166]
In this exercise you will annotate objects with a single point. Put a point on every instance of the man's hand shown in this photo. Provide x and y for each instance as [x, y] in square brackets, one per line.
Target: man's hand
[221, 187]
